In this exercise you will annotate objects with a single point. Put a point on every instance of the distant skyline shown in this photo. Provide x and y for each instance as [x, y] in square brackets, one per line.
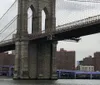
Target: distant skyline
[68, 11]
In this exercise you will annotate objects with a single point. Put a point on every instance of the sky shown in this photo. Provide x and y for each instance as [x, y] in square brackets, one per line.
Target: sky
[72, 11]
[68, 11]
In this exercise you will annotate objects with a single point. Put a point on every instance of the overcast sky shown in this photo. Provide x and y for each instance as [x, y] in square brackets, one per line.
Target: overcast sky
[68, 11]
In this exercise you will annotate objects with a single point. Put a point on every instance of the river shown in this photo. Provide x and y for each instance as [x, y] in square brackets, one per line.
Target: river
[4, 81]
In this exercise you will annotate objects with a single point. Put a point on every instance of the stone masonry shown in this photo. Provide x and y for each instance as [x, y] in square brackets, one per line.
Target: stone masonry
[35, 60]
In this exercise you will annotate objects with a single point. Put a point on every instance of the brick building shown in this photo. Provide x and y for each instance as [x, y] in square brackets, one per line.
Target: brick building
[7, 59]
[6, 64]
[87, 61]
[65, 59]
[97, 61]
[92, 61]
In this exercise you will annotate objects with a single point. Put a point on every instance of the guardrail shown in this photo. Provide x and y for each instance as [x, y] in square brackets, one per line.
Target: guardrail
[80, 22]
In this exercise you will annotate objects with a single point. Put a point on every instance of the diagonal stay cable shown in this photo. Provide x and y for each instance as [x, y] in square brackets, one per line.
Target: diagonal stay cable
[8, 10]
[8, 25]
[8, 35]
[14, 30]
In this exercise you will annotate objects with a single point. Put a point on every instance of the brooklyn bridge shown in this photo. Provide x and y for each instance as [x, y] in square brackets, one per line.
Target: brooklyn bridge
[35, 52]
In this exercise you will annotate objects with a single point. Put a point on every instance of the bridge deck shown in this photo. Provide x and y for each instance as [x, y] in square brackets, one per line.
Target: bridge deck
[75, 29]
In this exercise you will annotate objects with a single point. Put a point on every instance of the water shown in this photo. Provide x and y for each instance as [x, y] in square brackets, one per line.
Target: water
[4, 81]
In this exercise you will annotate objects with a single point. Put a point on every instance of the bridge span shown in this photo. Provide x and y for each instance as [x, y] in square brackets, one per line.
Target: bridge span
[71, 30]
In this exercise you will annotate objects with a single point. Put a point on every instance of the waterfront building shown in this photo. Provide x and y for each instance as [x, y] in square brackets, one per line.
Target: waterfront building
[87, 61]
[6, 64]
[65, 59]
[91, 61]
[97, 61]
[85, 68]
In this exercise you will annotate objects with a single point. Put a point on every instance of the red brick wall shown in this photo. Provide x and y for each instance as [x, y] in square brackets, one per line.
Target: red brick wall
[88, 61]
[97, 61]
[65, 59]
[7, 59]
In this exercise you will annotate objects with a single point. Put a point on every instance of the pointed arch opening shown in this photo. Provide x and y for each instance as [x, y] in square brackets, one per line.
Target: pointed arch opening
[44, 19]
[31, 14]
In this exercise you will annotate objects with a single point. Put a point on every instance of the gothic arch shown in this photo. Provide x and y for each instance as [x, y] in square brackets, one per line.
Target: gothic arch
[46, 11]
[45, 15]
[33, 10]
[30, 18]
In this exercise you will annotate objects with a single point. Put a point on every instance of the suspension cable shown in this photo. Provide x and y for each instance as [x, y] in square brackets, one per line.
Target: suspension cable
[8, 35]
[8, 10]
[15, 29]
[8, 25]
[5, 28]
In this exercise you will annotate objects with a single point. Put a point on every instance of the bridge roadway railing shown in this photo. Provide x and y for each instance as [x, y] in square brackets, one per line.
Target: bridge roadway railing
[81, 23]
[69, 26]
[66, 27]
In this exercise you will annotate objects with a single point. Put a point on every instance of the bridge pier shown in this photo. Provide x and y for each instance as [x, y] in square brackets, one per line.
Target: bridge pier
[32, 60]
[35, 61]
[24, 68]
[46, 61]
[17, 60]
[21, 60]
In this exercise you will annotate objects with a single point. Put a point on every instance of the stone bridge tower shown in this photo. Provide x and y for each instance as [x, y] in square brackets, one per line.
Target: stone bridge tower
[35, 60]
